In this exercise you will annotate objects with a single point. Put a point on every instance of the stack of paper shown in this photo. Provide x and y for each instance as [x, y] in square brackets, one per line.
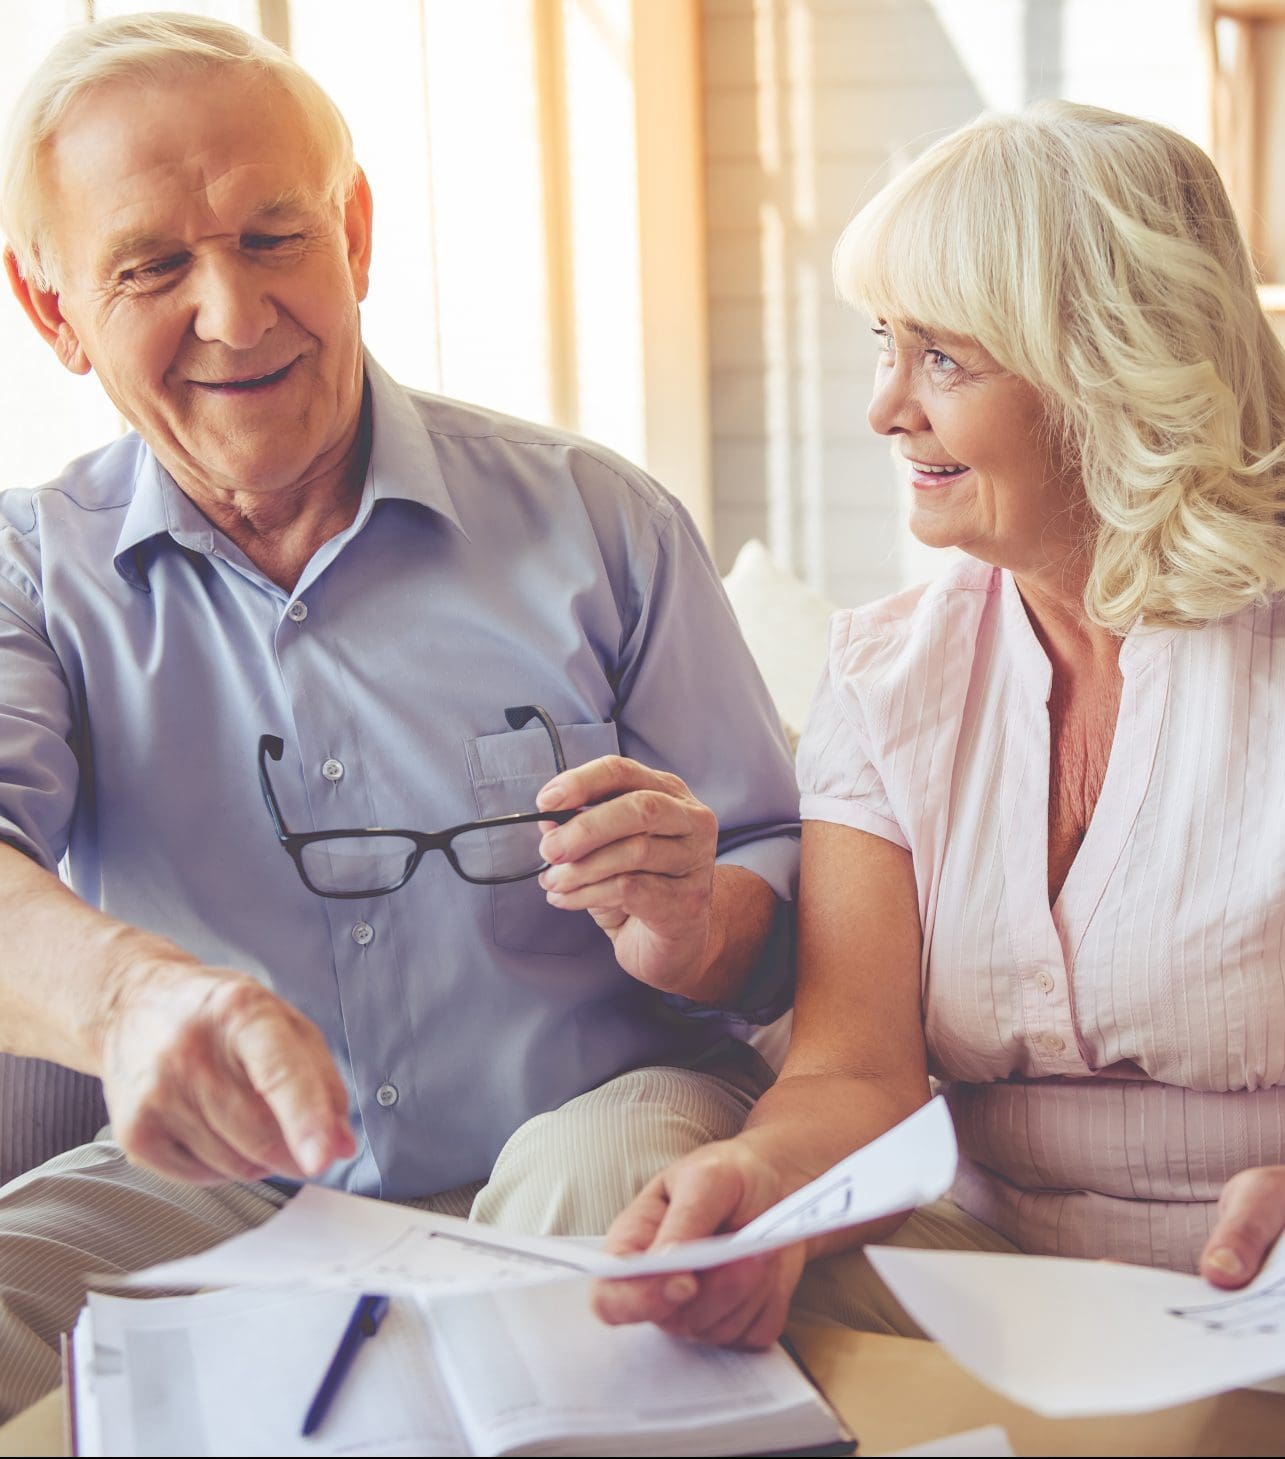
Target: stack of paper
[326, 1238]
[490, 1349]
[524, 1370]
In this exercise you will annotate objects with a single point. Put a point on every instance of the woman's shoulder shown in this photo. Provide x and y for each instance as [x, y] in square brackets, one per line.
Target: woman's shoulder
[905, 632]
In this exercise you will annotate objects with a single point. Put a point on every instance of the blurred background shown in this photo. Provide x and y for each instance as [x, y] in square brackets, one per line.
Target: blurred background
[617, 215]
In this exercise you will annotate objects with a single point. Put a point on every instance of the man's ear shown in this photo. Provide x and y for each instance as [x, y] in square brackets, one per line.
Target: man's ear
[41, 306]
[358, 211]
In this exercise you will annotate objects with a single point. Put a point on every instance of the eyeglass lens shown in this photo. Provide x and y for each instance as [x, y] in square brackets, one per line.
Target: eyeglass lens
[357, 863]
[499, 853]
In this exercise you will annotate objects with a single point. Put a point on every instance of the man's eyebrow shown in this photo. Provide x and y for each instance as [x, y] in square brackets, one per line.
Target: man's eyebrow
[135, 245]
[292, 200]
[289, 203]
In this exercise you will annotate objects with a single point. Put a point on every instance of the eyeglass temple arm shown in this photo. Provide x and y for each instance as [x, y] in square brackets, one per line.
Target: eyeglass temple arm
[523, 714]
[271, 747]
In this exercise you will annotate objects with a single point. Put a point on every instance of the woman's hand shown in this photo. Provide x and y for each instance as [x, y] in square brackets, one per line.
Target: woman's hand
[717, 1188]
[1251, 1215]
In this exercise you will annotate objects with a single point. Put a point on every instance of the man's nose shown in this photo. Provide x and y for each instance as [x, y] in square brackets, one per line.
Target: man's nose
[894, 406]
[231, 307]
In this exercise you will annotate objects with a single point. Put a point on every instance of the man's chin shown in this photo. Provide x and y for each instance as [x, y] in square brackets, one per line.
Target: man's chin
[261, 472]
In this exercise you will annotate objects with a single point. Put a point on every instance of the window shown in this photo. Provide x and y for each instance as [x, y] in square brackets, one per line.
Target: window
[538, 213]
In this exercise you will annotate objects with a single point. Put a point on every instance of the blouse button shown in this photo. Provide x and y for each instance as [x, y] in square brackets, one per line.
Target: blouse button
[1052, 1043]
[1044, 981]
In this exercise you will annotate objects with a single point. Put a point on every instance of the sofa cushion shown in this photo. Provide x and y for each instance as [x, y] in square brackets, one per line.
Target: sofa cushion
[786, 625]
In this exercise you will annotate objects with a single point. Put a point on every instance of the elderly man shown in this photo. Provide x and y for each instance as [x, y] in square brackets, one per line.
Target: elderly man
[300, 599]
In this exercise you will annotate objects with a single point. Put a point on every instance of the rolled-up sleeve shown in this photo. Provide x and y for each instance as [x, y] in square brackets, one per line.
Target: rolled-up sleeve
[38, 770]
[692, 701]
[838, 780]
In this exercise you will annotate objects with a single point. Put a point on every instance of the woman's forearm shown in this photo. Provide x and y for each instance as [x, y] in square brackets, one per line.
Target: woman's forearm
[808, 1122]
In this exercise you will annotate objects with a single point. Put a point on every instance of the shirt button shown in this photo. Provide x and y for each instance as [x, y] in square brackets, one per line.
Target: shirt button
[1052, 1043]
[333, 770]
[1044, 981]
[363, 933]
[297, 611]
[387, 1094]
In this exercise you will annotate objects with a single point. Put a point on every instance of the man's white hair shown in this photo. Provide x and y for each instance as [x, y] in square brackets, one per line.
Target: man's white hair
[145, 49]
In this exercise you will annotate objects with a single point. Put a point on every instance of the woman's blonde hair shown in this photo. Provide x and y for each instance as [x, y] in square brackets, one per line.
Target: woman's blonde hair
[1096, 256]
[146, 49]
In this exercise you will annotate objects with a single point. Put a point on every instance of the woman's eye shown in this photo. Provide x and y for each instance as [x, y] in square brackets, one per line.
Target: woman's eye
[883, 335]
[940, 360]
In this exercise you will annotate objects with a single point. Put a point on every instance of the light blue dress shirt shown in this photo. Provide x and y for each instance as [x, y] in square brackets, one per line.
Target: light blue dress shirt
[491, 563]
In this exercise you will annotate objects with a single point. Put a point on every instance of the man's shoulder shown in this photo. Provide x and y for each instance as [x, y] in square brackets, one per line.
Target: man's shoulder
[549, 453]
[101, 481]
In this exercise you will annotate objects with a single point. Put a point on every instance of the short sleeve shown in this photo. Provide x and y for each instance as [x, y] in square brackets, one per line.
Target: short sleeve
[838, 778]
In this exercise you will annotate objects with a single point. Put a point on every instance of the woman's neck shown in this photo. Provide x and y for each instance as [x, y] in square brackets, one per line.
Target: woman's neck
[1055, 605]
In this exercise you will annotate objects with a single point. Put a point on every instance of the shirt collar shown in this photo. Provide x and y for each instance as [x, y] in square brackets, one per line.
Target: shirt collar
[403, 467]
[1140, 644]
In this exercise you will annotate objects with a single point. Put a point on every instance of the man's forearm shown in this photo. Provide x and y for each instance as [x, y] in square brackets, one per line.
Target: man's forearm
[743, 915]
[60, 961]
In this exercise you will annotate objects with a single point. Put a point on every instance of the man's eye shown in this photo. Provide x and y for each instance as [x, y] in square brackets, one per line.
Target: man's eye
[154, 272]
[266, 242]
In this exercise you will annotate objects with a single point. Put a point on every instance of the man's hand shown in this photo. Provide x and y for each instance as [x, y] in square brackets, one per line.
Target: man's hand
[209, 1077]
[1251, 1217]
[719, 1187]
[640, 861]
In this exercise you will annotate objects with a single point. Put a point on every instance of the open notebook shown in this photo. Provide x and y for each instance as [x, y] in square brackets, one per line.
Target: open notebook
[521, 1370]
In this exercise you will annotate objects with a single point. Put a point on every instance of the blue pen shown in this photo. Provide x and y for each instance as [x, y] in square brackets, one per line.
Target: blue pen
[364, 1322]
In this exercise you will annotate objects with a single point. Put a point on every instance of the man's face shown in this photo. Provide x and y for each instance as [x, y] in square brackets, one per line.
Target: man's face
[206, 280]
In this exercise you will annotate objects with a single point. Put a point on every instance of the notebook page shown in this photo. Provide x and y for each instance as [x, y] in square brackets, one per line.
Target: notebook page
[233, 1373]
[532, 1364]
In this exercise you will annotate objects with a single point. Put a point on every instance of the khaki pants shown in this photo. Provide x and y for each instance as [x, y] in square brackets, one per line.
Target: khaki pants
[568, 1172]
[846, 1289]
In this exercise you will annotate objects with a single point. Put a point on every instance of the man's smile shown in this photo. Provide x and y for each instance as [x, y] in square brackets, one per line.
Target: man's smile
[248, 384]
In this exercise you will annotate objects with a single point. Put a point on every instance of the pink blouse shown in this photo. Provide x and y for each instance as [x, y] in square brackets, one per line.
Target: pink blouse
[1113, 1061]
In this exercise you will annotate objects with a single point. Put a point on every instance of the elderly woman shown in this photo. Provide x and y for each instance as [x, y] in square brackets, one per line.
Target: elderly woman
[1044, 796]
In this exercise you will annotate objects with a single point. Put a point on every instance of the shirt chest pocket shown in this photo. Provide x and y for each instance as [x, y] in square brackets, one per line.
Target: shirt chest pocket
[507, 771]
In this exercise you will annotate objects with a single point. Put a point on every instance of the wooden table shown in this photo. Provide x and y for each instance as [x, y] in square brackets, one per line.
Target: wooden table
[895, 1392]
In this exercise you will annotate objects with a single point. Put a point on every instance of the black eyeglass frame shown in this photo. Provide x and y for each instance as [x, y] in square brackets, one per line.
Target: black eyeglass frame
[272, 747]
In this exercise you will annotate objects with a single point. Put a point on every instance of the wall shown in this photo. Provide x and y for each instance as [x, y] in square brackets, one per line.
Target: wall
[808, 104]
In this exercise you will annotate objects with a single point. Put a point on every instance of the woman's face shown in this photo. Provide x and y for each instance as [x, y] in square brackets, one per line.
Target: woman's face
[985, 472]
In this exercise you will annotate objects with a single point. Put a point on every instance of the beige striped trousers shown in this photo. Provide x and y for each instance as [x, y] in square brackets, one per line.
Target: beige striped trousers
[567, 1172]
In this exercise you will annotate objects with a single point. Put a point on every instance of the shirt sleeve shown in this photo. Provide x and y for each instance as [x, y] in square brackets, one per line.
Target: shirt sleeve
[838, 779]
[692, 701]
[39, 774]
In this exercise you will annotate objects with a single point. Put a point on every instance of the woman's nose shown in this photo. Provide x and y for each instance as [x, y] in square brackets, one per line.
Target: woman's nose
[894, 406]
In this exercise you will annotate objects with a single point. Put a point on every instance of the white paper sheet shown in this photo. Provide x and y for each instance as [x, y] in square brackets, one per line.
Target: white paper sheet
[326, 1238]
[1086, 1337]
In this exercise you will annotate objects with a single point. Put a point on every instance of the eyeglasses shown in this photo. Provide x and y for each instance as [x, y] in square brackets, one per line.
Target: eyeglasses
[376, 860]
